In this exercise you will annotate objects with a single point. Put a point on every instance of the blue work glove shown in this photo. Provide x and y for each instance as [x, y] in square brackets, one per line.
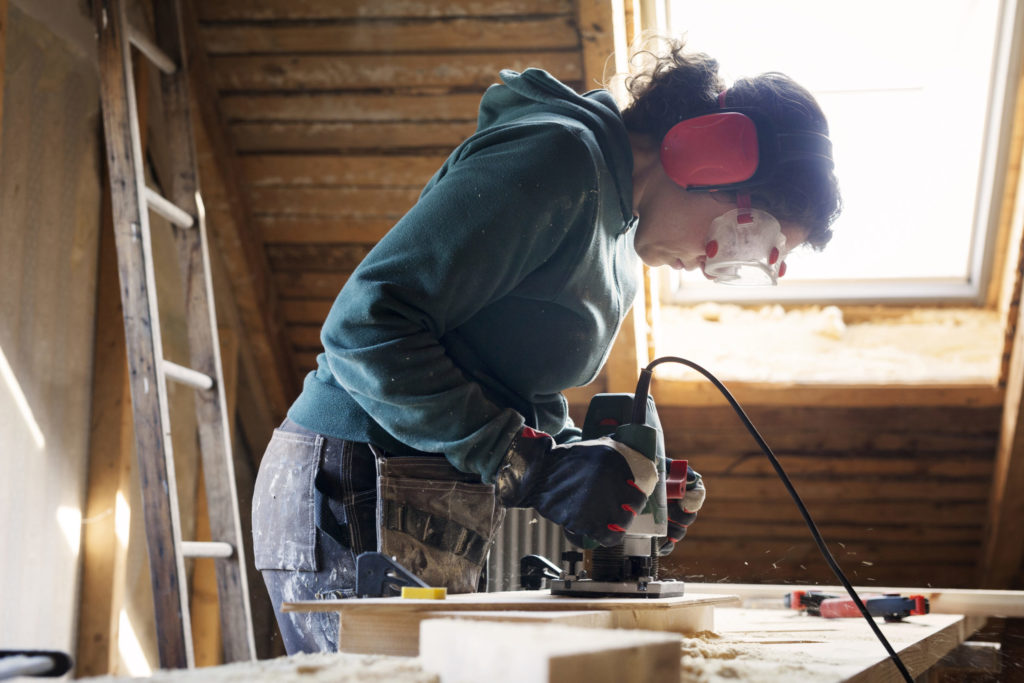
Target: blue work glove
[683, 511]
[591, 488]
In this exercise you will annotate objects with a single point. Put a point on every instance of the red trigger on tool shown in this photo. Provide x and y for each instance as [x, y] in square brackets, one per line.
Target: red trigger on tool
[675, 481]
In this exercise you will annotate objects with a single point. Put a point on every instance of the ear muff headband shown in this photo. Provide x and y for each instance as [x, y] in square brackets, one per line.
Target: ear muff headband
[735, 148]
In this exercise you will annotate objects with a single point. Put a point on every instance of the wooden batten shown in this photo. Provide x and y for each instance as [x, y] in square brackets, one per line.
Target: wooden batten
[255, 10]
[371, 170]
[319, 137]
[316, 201]
[321, 72]
[351, 106]
[466, 34]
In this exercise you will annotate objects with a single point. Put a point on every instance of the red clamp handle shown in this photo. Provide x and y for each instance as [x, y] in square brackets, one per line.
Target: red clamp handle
[920, 604]
[675, 480]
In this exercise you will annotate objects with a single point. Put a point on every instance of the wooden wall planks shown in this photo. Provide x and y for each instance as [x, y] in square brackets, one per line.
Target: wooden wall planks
[236, 10]
[405, 35]
[899, 493]
[341, 112]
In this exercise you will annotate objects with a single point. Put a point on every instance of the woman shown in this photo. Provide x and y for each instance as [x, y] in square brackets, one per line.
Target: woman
[504, 285]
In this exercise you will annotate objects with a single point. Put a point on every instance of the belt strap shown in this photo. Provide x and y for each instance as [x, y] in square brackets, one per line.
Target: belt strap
[325, 519]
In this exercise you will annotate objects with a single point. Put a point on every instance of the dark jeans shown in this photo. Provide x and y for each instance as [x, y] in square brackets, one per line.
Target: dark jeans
[299, 561]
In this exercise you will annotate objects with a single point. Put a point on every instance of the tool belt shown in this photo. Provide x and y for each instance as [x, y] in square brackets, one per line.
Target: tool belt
[435, 520]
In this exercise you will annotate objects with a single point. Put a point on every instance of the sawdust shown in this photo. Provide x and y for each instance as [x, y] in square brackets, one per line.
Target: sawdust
[707, 657]
[303, 668]
[829, 345]
[703, 645]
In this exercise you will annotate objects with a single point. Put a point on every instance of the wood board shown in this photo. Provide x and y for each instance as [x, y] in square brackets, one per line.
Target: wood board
[393, 623]
[463, 652]
[784, 645]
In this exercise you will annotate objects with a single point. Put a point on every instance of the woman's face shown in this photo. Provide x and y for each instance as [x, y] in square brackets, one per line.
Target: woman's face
[674, 225]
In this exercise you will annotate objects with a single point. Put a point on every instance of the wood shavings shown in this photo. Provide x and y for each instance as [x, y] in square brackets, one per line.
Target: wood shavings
[303, 668]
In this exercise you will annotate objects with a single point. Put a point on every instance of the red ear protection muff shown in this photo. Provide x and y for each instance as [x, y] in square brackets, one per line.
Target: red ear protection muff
[714, 149]
[735, 148]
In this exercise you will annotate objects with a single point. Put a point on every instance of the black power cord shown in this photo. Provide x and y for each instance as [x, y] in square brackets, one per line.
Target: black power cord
[643, 387]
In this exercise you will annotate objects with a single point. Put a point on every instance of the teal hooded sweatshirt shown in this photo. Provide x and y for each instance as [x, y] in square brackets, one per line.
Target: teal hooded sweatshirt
[504, 285]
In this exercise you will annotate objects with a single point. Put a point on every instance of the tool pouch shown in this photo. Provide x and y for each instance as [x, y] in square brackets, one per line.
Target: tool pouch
[436, 521]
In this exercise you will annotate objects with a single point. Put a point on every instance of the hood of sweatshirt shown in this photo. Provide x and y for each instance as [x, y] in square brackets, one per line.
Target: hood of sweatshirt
[535, 90]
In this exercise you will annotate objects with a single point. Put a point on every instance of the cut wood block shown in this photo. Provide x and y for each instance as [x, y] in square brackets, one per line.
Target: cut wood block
[398, 633]
[393, 620]
[463, 652]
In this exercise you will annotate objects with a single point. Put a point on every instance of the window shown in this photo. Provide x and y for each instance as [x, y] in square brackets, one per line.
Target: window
[917, 101]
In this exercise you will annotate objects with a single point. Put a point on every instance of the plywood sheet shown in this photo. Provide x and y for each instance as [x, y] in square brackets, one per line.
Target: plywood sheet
[394, 621]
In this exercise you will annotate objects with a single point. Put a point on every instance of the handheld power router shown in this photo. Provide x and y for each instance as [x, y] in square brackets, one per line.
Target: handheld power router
[629, 569]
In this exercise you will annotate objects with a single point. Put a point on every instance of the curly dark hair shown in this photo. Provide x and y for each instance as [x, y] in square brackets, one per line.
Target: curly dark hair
[680, 85]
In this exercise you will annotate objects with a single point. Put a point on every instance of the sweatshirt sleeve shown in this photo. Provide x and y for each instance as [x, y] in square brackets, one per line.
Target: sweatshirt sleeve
[497, 211]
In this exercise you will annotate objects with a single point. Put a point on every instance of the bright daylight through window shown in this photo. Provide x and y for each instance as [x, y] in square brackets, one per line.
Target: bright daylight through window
[914, 94]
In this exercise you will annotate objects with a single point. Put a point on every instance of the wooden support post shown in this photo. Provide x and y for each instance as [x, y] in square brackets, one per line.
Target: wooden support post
[3, 52]
[204, 608]
[1003, 547]
[104, 528]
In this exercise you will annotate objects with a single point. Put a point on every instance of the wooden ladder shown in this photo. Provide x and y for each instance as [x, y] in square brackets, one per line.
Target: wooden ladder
[149, 371]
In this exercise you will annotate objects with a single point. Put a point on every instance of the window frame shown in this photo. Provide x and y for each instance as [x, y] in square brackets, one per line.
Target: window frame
[990, 193]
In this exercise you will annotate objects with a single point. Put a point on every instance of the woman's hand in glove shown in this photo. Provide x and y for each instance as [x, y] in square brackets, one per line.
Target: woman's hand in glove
[682, 512]
[591, 488]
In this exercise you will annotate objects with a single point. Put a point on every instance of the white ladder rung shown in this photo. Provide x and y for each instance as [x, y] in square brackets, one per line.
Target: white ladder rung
[168, 209]
[217, 549]
[193, 378]
[150, 49]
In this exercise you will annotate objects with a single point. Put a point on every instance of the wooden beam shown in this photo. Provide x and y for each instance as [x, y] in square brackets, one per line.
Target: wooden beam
[308, 311]
[869, 514]
[262, 137]
[330, 257]
[111, 452]
[3, 52]
[350, 106]
[674, 392]
[411, 171]
[332, 201]
[204, 606]
[250, 10]
[305, 230]
[1003, 549]
[310, 285]
[360, 72]
[250, 274]
[454, 34]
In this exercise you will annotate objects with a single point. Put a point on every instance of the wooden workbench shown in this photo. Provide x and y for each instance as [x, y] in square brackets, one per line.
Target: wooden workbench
[734, 644]
[784, 645]
[769, 645]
